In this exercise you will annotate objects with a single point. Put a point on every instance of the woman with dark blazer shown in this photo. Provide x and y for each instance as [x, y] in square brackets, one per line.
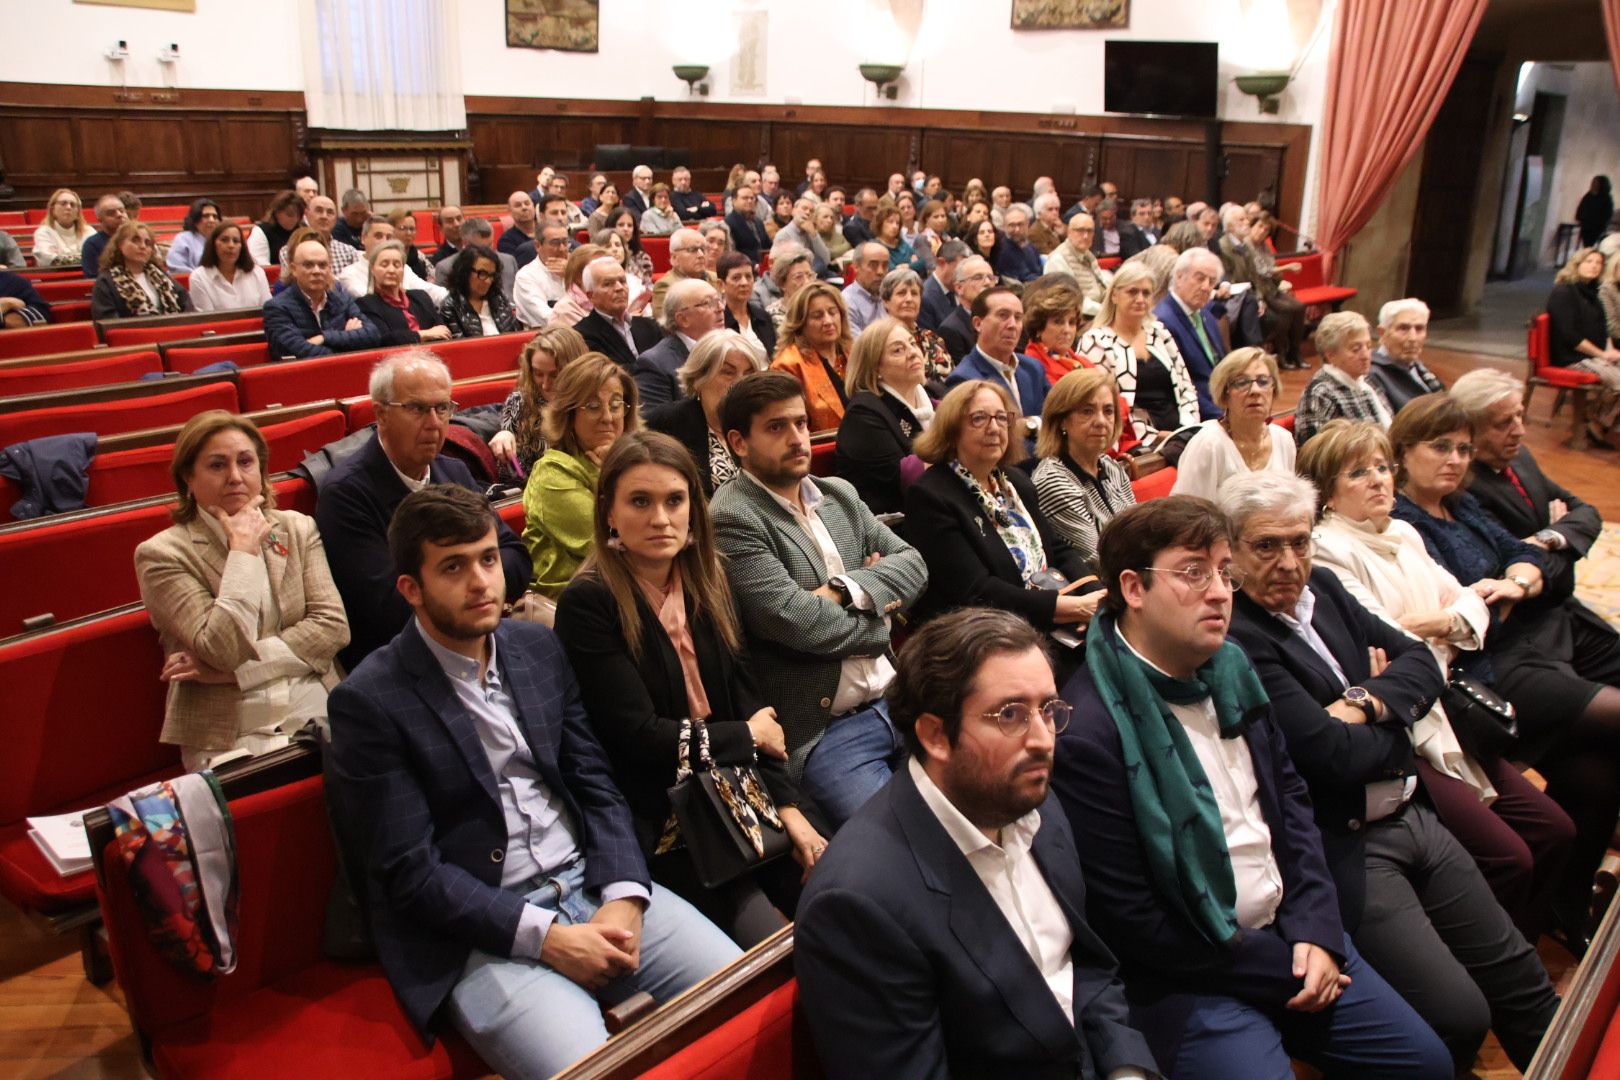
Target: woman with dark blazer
[888, 408]
[720, 359]
[403, 316]
[743, 313]
[976, 519]
[654, 642]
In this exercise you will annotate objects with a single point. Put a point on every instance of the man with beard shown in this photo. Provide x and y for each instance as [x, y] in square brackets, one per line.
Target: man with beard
[1206, 872]
[944, 930]
[508, 896]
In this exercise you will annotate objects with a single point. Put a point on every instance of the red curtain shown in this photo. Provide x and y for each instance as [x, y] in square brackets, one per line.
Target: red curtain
[1611, 28]
[1391, 65]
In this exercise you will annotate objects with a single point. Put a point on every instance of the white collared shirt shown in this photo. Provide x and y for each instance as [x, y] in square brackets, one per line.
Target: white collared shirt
[861, 679]
[411, 485]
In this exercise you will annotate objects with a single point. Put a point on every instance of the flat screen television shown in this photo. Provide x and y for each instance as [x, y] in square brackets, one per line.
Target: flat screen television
[1160, 78]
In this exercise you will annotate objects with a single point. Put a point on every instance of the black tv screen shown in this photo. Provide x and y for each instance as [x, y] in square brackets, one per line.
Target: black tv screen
[1160, 78]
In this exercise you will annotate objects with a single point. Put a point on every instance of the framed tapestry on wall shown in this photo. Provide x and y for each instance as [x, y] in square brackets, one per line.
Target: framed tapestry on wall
[1070, 14]
[567, 25]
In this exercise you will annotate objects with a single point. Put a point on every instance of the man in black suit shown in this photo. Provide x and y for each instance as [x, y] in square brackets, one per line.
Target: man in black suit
[973, 276]
[944, 931]
[450, 219]
[858, 229]
[610, 329]
[691, 310]
[1348, 688]
[748, 233]
[1397, 364]
[1205, 871]
[411, 391]
[1139, 234]
[938, 292]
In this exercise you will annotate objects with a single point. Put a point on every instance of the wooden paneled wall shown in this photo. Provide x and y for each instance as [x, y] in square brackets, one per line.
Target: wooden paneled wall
[512, 136]
[167, 146]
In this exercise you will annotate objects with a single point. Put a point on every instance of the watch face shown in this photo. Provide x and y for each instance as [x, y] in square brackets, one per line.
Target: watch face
[1357, 695]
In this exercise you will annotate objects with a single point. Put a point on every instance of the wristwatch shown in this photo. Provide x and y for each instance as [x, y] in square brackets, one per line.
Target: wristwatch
[1361, 699]
[842, 589]
[1521, 581]
[1551, 537]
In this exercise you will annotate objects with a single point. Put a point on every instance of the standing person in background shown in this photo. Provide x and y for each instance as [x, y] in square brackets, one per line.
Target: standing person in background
[1595, 211]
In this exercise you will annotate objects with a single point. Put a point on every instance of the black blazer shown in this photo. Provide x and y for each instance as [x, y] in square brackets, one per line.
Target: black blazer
[600, 336]
[1337, 759]
[762, 326]
[390, 321]
[907, 969]
[957, 330]
[748, 234]
[1580, 527]
[684, 422]
[636, 707]
[968, 565]
[1163, 959]
[1131, 240]
[874, 436]
[655, 372]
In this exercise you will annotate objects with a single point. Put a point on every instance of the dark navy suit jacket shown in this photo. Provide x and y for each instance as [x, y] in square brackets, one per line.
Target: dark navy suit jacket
[1163, 958]
[289, 323]
[1032, 384]
[1198, 366]
[1337, 759]
[908, 969]
[937, 303]
[416, 803]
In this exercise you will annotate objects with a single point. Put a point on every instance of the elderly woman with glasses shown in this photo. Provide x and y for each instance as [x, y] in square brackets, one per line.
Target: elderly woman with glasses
[1244, 439]
[595, 403]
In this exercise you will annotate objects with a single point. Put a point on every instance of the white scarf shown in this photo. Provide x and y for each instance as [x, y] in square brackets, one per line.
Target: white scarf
[920, 405]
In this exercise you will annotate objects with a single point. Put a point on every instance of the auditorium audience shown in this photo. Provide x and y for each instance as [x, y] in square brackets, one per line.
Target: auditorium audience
[607, 201]
[659, 219]
[902, 299]
[863, 297]
[1205, 872]
[887, 227]
[986, 241]
[624, 222]
[475, 946]
[410, 391]
[1243, 439]
[404, 225]
[227, 278]
[689, 205]
[1348, 689]
[1595, 210]
[520, 441]
[692, 310]
[813, 347]
[716, 239]
[185, 250]
[540, 283]
[1517, 836]
[816, 579]
[792, 268]
[1186, 311]
[1004, 976]
[939, 287]
[828, 223]
[270, 235]
[1048, 231]
[1578, 334]
[450, 220]
[1139, 352]
[353, 211]
[977, 521]
[747, 231]
[611, 242]
[242, 600]
[1288, 329]
[132, 282]
[1079, 487]
[654, 643]
[888, 408]
[1074, 257]
[1397, 364]
[402, 316]
[317, 316]
[59, 239]
[321, 216]
[476, 232]
[111, 215]
[525, 226]
[576, 301]
[741, 311]
[595, 403]
[475, 304]
[639, 197]
[1281, 317]
[800, 230]
[1341, 387]
[998, 321]
[693, 419]
[358, 279]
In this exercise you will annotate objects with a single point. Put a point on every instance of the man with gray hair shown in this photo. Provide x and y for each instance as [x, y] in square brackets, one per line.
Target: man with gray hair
[355, 208]
[1397, 363]
[802, 232]
[691, 310]
[1186, 313]
[938, 291]
[1048, 231]
[974, 274]
[539, 284]
[861, 295]
[1075, 258]
[410, 391]
[476, 232]
[1140, 233]
[688, 258]
[1018, 259]
[609, 328]
[639, 197]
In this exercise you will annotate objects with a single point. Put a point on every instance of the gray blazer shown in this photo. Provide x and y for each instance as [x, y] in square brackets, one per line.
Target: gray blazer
[798, 641]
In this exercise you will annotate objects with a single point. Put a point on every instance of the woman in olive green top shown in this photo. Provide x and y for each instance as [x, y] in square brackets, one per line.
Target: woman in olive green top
[593, 404]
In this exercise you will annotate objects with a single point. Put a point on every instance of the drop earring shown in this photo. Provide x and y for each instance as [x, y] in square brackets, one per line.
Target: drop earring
[613, 540]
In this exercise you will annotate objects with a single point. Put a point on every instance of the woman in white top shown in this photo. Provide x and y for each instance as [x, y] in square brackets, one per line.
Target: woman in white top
[658, 219]
[1518, 835]
[227, 279]
[58, 241]
[1244, 385]
[1138, 351]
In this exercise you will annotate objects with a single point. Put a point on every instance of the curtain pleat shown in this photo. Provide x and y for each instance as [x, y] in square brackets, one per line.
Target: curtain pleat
[383, 65]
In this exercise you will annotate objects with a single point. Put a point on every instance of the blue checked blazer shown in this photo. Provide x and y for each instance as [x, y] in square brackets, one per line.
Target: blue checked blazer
[415, 800]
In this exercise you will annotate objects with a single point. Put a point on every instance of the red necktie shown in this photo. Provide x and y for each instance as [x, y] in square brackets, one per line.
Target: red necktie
[1513, 478]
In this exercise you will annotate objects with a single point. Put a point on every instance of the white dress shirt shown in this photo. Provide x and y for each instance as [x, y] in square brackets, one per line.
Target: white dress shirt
[534, 291]
[211, 292]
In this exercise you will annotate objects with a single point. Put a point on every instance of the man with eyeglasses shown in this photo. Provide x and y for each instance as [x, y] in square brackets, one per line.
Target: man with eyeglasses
[1075, 258]
[410, 391]
[692, 310]
[973, 275]
[317, 317]
[1353, 694]
[1206, 872]
[944, 931]
[539, 285]
[688, 258]
[1186, 313]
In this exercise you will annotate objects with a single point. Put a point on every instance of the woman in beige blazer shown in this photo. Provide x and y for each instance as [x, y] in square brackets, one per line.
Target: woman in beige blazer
[242, 599]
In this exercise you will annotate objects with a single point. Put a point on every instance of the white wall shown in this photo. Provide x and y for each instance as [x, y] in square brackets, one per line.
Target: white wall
[224, 45]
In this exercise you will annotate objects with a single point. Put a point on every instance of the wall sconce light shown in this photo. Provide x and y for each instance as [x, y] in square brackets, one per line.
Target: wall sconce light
[1264, 86]
[692, 75]
[882, 77]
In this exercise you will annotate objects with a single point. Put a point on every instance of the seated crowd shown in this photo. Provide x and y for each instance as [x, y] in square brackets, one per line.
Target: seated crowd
[1048, 781]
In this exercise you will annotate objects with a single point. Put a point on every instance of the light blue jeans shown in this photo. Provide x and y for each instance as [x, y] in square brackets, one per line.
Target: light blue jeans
[526, 1019]
[854, 759]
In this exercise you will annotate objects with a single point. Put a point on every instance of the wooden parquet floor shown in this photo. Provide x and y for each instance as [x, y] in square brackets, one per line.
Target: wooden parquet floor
[54, 1023]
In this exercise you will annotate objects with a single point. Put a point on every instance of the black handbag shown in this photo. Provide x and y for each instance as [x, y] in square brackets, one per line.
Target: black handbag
[1486, 725]
[725, 815]
[1055, 580]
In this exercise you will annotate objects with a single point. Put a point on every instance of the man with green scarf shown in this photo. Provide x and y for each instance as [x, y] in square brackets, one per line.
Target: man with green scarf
[1204, 869]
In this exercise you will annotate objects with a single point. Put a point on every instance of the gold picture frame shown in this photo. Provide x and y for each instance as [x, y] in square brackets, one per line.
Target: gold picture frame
[1071, 14]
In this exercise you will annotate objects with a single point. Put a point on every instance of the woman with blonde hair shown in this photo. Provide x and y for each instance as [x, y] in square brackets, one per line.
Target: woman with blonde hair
[1078, 485]
[60, 238]
[814, 348]
[1244, 384]
[132, 281]
[888, 409]
[242, 600]
[1140, 353]
[1579, 338]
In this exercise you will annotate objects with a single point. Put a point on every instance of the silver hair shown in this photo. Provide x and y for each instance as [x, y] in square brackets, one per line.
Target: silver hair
[897, 278]
[354, 197]
[1043, 185]
[785, 257]
[1186, 259]
[1265, 492]
[963, 265]
[681, 239]
[709, 225]
[1335, 329]
[1020, 208]
[386, 245]
[1230, 211]
[587, 277]
[681, 296]
[1044, 200]
[1141, 204]
[1394, 309]
[381, 384]
[1476, 391]
[711, 352]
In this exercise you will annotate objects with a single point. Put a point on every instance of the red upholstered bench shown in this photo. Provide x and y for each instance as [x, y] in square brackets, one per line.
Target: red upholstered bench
[70, 289]
[96, 371]
[1155, 484]
[285, 1010]
[471, 357]
[71, 312]
[1109, 262]
[43, 340]
[1286, 422]
[114, 417]
[83, 711]
[293, 382]
[1567, 381]
[657, 249]
[150, 335]
[1309, 287]
[764, 1040]
[192, 357]
[824, 457]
